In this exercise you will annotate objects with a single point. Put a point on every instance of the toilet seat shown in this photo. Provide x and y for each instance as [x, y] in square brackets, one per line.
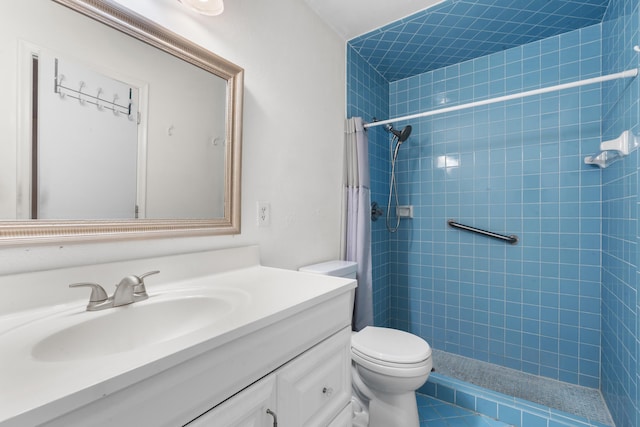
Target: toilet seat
[397, 371]
[390, 346]
[391, 352]
[370, 359]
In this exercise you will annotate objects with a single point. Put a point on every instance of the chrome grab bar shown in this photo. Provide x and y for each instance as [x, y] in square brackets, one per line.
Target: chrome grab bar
[513, 239]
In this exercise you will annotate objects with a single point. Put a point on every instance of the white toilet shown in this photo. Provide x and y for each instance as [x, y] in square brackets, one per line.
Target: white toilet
[388, 366]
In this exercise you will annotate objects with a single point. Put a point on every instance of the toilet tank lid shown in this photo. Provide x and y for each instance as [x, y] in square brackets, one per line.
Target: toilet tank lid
[331, 268]
[391, 345]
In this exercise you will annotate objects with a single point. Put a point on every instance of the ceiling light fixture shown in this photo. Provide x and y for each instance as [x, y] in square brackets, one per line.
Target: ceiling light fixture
[205, 7]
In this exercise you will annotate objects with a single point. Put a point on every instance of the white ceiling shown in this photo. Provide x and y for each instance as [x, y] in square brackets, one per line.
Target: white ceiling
[351, 18]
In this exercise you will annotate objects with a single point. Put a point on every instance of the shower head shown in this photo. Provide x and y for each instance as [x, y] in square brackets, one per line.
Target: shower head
[402, 135]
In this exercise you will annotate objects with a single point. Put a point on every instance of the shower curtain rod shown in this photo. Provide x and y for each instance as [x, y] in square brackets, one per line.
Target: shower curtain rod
[621, 75]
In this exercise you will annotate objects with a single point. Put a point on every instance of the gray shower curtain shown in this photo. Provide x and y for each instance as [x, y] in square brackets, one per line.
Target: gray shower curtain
[358, 218]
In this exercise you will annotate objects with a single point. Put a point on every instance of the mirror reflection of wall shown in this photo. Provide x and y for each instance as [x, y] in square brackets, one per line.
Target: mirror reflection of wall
[186, 149]
[181, 154]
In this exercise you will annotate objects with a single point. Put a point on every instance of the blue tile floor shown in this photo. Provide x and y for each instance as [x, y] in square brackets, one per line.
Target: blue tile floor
[436, 413]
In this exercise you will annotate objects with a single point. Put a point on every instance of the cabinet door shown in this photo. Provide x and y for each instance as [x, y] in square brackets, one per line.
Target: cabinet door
[344, 418]
[246, 409]
[316, 386]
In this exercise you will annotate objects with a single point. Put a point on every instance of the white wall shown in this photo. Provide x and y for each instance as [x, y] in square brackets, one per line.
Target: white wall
[293, 134]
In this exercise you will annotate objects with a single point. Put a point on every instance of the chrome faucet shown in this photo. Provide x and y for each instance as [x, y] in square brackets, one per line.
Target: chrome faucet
[130, 289]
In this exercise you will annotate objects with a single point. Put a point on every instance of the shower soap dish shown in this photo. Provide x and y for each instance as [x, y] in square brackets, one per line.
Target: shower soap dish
[405, 211]
[614, 149]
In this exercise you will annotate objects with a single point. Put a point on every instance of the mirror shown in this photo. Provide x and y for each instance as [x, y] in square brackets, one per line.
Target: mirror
[160, 152]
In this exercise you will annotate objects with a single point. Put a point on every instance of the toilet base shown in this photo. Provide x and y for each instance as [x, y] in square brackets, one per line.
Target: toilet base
[360, 416]
[379, 409]
[394, 410]
[400, 414]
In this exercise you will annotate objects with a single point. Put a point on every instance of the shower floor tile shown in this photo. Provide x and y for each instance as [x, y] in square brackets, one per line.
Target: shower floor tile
[573, 399]
[436, 413]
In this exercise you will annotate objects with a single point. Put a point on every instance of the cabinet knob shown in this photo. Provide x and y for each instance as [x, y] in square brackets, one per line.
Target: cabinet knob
[327, 391]
[275, 417]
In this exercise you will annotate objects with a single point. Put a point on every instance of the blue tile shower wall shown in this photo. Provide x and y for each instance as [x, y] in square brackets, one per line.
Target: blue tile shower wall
[453, 31]
[516, 168]
[620, 302]
[368, 97]
[620, 183]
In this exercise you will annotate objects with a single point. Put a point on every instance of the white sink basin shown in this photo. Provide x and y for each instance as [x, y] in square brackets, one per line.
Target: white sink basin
[96, 334]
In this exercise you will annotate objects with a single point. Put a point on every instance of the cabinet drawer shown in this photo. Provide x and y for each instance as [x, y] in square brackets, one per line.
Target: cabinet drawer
[246, 409]
[316, 386]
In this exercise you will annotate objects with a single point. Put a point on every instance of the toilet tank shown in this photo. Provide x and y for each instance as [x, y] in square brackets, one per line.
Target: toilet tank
[336, 268]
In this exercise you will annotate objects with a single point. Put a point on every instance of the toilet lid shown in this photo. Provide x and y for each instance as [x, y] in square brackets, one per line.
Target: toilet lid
[390, 345]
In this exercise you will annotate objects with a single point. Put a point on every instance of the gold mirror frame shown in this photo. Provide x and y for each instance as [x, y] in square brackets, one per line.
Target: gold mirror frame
[128, 22]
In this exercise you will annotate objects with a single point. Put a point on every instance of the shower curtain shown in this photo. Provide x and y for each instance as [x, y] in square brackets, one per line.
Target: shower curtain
[358, 218]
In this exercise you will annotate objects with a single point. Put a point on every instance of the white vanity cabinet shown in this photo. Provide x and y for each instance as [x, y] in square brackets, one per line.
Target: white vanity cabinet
[314, 389]
[258, 338]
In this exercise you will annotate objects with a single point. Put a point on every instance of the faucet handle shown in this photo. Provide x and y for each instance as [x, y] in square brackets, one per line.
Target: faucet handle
[139, 287]
[98, 294]
[131, 289]
[148, 273]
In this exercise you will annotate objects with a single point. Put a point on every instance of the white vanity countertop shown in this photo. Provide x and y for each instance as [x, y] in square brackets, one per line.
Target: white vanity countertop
[33, 390]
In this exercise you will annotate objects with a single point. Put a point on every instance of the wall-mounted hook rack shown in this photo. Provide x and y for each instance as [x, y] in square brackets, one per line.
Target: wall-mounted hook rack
[99, 100]
[115, 102]
[80, 99]
[59, 80]
[84, 95]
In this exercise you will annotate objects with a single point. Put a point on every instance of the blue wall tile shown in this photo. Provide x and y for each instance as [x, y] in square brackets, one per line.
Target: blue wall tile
[514, 168]
[619, 303]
